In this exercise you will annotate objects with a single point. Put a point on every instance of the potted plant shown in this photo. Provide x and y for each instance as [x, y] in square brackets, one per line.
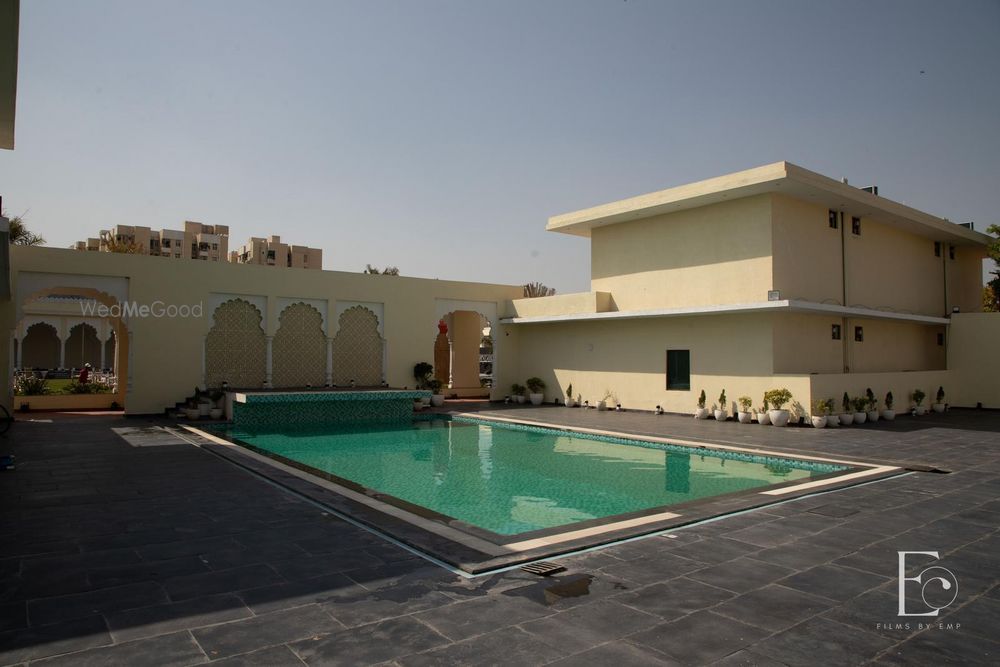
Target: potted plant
[819, 414]
[570, 402]
[608, 395]
[938, 404]
[217, 408]
[744, 415]
[437, 398]
[888, 414]
[517, 391]
[422, 373]
[762, 418]
[860, 403]
[872, 404]
[846, 412]
[721, 412]
[191, 410]
[535, 389]
[918, 397]
[702, 411]
[832, 420]
[777, 398]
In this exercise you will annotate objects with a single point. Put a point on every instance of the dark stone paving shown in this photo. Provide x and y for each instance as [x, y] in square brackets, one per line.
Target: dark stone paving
[168, 555]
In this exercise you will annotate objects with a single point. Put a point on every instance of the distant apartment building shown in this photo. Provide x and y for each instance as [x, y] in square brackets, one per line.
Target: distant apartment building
[197, 241]
[272, 252]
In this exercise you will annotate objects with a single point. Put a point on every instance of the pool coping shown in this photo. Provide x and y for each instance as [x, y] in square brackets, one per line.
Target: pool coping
[476, 551]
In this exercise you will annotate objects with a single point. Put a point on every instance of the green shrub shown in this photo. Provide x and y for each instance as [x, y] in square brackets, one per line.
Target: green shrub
[701, 399]
[745, 403]
[535, 385]
[722, 400]
[918, 396]
[888, 400]
[777, 398]
[30, 385]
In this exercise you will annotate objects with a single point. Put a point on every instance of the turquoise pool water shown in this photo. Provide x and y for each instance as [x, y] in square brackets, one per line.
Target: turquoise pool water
[514, 479]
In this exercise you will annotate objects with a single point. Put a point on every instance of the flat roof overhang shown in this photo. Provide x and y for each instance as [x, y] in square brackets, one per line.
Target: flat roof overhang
[9, 21]
[778, 178]
[784, 305]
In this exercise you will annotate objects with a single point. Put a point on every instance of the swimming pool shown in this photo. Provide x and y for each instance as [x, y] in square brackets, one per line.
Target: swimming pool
[510, 479]
[483, 491]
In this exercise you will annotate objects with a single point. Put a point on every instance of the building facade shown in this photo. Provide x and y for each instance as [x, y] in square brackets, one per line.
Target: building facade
[272, 252]
[196, 241]
[771, 277]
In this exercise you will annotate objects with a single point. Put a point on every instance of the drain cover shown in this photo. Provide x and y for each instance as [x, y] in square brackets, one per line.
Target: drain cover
[543, 568]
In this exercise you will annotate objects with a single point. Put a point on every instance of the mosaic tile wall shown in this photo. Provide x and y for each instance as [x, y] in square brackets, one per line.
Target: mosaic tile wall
[357, 349]
[276, 412]
[298, 351]
[235, 348]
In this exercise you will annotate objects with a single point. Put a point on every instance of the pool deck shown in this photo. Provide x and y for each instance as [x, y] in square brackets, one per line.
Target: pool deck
[149, 550]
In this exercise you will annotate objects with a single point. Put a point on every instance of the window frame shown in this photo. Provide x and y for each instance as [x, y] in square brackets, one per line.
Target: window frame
[667, 366]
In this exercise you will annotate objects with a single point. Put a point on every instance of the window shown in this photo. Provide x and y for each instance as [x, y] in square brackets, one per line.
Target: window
[951, 252]
[937, 248]
[859, 334]
[833, 220]
[679, 369]
[856, 226]
[835, 332]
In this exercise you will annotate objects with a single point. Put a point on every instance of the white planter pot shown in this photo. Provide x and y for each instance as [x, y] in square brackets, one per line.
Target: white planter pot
[832, 421]
[425, 402]
[888, 415]
[938, 407]
[873, 416]
[536, 399]
[437, 400]
[215, 413]
[204, 409]
[519, 399]
[570, 402]
[779, 417]
[701, 413]
[860, 417]
[744, 417]
[763, 419]
[921, 410]
[721, 415]
[819, 422]
[192, 413]
[846, 418]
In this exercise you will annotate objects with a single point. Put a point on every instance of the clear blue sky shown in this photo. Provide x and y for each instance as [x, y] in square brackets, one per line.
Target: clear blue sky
[439, 136]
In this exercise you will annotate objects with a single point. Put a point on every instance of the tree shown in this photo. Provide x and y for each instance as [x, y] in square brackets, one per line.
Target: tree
[20, 235]
[533, 290]
[990, 302]
[387, 271]
[993, 252]
[124, 247]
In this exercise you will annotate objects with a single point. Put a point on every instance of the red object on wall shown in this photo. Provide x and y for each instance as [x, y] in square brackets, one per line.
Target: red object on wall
[442, 327]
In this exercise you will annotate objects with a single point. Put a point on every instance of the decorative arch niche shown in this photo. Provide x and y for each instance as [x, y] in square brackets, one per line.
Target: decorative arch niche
[298, 352]
[357, 348]
[236, 348]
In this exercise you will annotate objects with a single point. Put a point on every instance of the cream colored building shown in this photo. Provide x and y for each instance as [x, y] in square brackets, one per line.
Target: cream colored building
[272, 252]
[196, 241]
[774, 276]
[771, 277]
